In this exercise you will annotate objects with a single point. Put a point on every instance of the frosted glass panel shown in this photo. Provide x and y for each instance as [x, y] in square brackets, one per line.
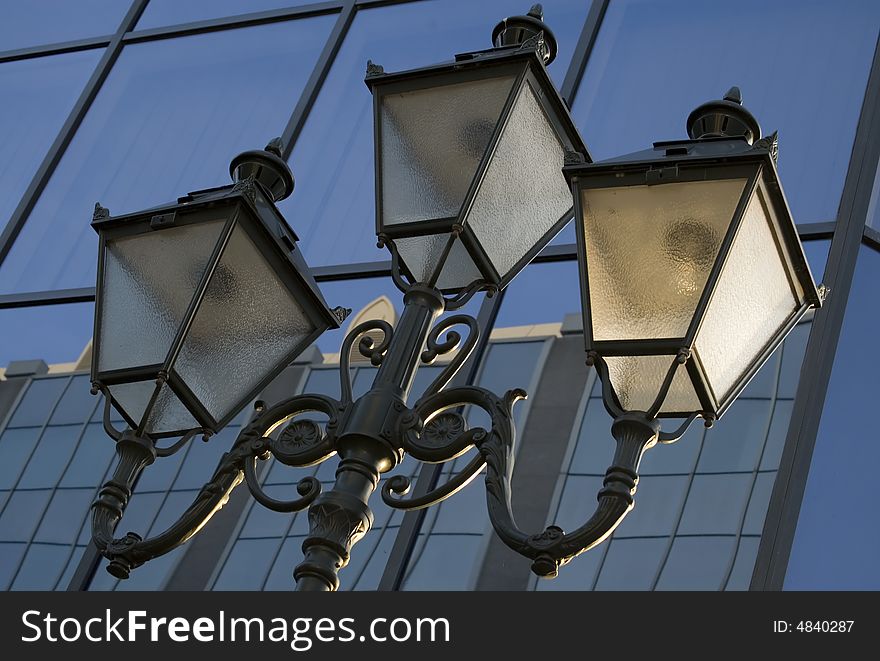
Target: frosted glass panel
[168, 413]
[432, 142]
[246, 325]
[637, 380]
[649, 253]
[524, 192]
[752, 301]
[459, 269]
[149, 282]
[421, 254]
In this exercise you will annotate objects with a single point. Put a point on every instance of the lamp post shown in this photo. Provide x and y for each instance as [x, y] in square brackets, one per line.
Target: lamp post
[201, 303]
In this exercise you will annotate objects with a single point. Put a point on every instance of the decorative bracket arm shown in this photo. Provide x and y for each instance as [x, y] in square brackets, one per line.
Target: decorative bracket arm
[634, 432]
[296, 446]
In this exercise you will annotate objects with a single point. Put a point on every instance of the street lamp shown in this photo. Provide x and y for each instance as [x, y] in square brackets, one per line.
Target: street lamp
[476, 165]
[469, 154]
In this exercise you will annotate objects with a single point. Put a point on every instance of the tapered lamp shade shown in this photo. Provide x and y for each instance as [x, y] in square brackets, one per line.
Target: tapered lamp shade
[200, 304]
[689, 257]
[469, 156]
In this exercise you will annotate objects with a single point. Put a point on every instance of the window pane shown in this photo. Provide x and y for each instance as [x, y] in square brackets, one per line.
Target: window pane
[247, 565]
[10, 557]
[42, 566]
[202, 459]
[72, 565]
[16, 446]
[624, 106]
[741, 576]
[658, 504]
[39, 22]
[91, 459]
[54, 333]
[171, 12]
[760, 499]
[50, 458]
[440, 563]
[697, 563]
[62, 521]
[37, 96]
[736, 443]
[77, 403]
[846, 446]
[631, 564]
[337, 142]
[38, 402]
[369, 578]
[22, 513]
[715, 504]
[281, 576]
[167, 121]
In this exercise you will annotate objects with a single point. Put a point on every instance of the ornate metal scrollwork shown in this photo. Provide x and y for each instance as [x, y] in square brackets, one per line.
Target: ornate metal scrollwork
[302, 443]
[434, 347]
[366, 348]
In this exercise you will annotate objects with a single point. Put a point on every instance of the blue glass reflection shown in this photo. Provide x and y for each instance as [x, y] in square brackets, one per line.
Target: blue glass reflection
[333, 210]
[655, 61]
[54, 333]
[168, 120]
[837, 542]
[37, 96]
[540, 294]
[38, 22]
[172, 12]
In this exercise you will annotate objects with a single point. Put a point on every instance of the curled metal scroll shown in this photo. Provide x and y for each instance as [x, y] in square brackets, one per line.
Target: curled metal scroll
[400, 485]
[308, 488]
[442, 438]
[366, 348]
[437, 347]
[135, 453]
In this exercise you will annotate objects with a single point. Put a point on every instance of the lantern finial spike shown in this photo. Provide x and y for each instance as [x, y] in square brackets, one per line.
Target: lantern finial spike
[724, 118]
[734, 94]
[528, 31]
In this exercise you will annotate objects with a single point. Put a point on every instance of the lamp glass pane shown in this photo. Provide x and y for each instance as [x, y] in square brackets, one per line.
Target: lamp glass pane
[432, 143]
[649, 253]
[422, 254]
[246, 325]
[149, 280]
[459, 269]
[168, 413]
[523, 193]
[637, 381]
[752, 301]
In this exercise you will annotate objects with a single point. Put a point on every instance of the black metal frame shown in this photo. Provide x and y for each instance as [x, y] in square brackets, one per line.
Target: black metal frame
[525, 66]
[850, 234]
[713, 159]
[246, 205]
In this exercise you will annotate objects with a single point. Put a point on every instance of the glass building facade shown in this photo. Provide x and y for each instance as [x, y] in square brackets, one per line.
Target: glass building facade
[131, 103]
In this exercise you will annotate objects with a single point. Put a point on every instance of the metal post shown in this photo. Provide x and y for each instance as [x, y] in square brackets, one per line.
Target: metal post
[367, 447]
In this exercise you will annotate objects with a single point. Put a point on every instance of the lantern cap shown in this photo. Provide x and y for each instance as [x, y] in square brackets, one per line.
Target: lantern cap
[265, 166]
[520, 30]
[725, 118]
